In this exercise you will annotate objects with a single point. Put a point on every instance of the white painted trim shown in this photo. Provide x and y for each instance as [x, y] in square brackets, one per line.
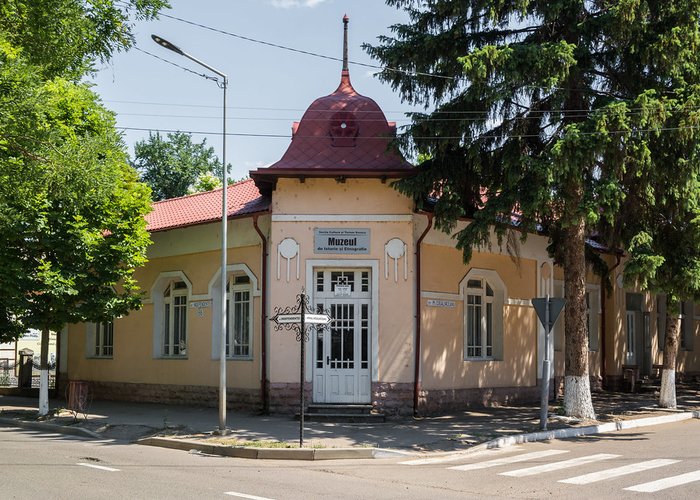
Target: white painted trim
[498, 325]
[170, 275]
[157, 290]
[441, 296]
[342, 218]
[373, 265]
[215, 295]
[230, 268]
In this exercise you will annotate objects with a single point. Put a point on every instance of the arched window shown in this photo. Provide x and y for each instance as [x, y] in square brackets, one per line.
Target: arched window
[479, 319]
[241, 288]
[484, 296]
[239, 323]
[175, 319]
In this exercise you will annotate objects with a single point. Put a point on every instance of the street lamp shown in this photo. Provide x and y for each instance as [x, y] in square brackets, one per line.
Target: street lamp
[224, 230]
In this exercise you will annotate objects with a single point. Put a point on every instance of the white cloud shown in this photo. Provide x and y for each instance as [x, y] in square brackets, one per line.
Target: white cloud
[288, 4]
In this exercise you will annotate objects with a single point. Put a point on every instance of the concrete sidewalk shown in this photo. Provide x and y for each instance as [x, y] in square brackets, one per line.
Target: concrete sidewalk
[122, 421]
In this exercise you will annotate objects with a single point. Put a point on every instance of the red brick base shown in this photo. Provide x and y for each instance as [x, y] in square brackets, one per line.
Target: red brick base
[195, 395]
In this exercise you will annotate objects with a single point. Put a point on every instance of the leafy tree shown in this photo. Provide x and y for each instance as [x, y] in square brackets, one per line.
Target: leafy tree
[663, 232]
[66, 37]
[546, 108]
[205, 182]
[71, 208]
[172, 166]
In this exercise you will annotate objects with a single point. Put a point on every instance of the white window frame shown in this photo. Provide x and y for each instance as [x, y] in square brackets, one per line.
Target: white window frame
[173, 301]
[494, 322]
[630, 337]
[232, 270]
[233, 289]
[156, 298]
[96, 345]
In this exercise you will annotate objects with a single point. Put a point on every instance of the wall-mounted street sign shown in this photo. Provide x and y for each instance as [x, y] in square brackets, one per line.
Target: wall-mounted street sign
[441, 303]
[343, 240]
[200, 304]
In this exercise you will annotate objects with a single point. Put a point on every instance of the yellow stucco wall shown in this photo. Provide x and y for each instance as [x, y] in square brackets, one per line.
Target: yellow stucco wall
[315, 199]
[134, 359]
[443, 364]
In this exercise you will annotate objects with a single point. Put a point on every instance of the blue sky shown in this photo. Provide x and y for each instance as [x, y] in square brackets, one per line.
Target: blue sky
[269, 88]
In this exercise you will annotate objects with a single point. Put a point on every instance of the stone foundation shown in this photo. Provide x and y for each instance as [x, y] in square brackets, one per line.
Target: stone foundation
[392, 399]
[193, 395]
[440, 401]
[284, 397]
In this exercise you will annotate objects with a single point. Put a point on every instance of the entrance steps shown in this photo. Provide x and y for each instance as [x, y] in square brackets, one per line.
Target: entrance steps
[345, 413]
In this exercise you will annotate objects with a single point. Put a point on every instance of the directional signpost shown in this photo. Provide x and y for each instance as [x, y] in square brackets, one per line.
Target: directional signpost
[548, 310]
[296, 318]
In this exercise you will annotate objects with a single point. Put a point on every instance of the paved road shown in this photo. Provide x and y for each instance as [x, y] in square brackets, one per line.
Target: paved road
[663, 460]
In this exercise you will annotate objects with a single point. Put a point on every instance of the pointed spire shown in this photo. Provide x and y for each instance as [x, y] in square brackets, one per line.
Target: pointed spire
[345, 42]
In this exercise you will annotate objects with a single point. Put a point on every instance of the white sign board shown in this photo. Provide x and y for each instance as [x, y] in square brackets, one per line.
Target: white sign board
[309, 319]
[200, 304]
[341, 240]
[342, 290]
[441, 303]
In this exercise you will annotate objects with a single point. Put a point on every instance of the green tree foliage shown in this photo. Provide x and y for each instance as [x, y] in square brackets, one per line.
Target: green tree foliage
[554, 109]
[66, 37]
[71, 208]
[173, 165]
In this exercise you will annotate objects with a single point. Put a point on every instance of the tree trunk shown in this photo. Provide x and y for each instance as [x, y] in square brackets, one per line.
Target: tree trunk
[577, 386]
[667, 396]
[44, 374]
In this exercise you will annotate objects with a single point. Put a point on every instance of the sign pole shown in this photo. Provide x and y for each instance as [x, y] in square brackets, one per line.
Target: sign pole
[296, 319]
[544, 397]
[302, 376]
[548, 311]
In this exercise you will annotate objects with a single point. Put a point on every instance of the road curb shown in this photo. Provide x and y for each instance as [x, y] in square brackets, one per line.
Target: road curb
[46, 426]
[260, 453]
[585, 431]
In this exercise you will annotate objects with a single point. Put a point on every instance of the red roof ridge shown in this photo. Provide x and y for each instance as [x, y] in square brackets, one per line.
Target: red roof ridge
[202, 193]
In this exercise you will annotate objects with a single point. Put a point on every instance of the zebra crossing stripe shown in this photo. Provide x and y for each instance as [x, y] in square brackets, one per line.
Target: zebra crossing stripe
[539, 469]
[667, 482]
[453, 457]
[509, 460]
[619, 471]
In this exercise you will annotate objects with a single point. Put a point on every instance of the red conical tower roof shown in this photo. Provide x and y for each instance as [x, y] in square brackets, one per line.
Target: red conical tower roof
[343, 134]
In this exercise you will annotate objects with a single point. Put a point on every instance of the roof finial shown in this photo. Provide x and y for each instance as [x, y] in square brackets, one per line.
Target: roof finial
[345, 42]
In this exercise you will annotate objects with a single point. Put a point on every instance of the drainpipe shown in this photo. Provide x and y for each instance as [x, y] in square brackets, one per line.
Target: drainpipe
[603, 349]
[263, 319]
[416, 374]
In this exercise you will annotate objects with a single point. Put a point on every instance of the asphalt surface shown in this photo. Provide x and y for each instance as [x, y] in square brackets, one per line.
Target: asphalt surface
[126, 422]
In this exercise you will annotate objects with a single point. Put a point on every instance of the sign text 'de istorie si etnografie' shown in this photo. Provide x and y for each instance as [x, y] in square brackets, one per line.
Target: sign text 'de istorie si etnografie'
[341, 240]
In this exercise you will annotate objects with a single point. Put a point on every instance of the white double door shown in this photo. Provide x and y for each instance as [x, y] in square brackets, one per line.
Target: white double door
[341, 352]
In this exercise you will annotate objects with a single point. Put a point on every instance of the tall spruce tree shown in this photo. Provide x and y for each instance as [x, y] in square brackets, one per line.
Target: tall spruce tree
[545, 108]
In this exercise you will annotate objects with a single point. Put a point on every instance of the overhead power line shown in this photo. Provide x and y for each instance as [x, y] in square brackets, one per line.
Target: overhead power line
[305, 52]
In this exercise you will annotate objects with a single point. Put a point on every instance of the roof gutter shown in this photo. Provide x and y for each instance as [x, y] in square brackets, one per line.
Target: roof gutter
[263, 320]
[419, 316]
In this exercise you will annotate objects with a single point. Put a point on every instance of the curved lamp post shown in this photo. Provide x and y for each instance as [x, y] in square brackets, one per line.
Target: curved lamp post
[224, 229]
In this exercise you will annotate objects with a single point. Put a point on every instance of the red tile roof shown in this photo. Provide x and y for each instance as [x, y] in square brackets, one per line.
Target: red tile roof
[243, 199]
[343, 133]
